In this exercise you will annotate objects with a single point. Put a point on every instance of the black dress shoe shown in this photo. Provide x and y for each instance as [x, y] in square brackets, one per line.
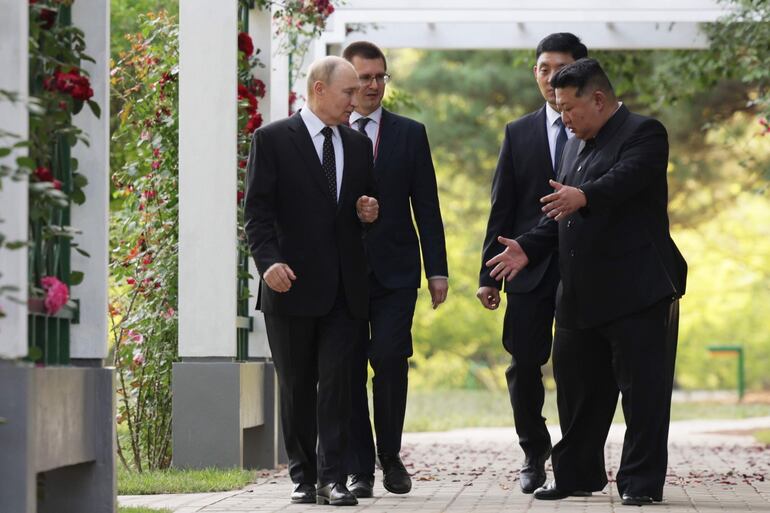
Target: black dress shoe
[362, 485]
[636, 500]
[335, 494]
[395, 478]
[532, 474]
[549, 492]
[303, 494]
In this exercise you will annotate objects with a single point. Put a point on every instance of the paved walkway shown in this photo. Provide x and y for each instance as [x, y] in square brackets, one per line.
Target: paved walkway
[714, 466]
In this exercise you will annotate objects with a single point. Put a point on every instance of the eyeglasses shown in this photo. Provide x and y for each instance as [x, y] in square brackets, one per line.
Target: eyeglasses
[365, 80]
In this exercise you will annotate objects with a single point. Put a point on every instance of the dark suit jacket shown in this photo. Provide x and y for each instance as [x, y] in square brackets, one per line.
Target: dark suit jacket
[521, 179]
[405, 174]
[616, 254]
[290, 217]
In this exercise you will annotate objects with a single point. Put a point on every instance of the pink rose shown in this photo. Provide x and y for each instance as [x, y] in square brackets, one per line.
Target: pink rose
[136, 338]
[138, 359]
[57, 294]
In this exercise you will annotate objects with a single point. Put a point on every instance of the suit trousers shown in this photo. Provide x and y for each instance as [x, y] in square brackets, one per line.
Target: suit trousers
[527, 336]
[633, 355]
[312, 359]
[387, 345]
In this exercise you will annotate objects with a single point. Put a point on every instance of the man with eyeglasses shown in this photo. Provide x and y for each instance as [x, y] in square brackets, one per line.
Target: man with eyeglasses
[406, 184]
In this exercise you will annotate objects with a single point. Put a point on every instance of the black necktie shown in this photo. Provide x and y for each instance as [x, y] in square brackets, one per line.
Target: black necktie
[561, 140]
[328, 163]
[362, 122]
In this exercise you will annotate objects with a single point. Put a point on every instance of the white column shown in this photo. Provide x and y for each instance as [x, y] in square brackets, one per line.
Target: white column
[89, 337]
[13, 196]
[273, 107]
[207, 178]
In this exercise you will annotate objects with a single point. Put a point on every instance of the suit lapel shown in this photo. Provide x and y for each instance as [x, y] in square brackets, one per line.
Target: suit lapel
[388, 134]
[304, 143]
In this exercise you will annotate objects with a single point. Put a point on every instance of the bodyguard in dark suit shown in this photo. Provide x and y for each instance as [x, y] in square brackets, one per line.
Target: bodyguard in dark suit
[622, 275]
[529, 157]
[309, 187]
[407, 185]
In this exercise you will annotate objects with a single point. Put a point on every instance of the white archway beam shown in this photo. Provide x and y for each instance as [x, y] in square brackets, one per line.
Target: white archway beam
[616, 36]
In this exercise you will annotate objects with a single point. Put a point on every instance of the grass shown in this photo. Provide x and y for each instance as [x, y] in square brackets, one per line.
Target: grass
[440, 410]
[140, 509]
[181, 481]
[763, 436]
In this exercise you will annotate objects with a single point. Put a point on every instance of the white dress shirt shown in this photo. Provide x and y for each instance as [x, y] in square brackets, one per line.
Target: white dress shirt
[314, 126]
[372, 127]
[552, 127]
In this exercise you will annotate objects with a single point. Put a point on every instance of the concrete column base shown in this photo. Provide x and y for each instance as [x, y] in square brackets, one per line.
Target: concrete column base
[57, 439]
[224, 415]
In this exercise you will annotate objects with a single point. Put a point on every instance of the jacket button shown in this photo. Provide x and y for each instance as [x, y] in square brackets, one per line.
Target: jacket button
[571, 252]
[569, 223]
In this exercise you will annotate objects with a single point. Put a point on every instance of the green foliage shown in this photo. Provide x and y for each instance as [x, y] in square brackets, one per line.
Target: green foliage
[718, 175]
[144, 238]
[182, 481]
[126, 19]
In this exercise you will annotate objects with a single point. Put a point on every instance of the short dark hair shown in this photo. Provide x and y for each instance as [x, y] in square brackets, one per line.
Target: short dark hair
[583, 74]
[563, 42]
[365, 50]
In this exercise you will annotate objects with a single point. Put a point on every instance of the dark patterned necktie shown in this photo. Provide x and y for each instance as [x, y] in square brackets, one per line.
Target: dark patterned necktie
[362, 122]
[328, 163]
[561, 140]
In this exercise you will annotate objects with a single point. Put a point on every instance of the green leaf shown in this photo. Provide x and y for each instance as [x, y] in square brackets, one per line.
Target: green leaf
[79, 180]
[78, 197]
[27, 162]
[82, 252]
[76, 277]
[34, 353]
[95, 108]
[4, 152]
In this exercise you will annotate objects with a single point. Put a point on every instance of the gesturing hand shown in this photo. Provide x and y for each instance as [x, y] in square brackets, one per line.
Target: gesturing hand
[367, 209]
[509, 262]
[279, 277]
[563, 202]
[489, 297]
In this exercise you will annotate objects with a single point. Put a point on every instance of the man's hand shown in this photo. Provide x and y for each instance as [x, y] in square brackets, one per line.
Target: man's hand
[489, 297]
[279, 277]
[368, 209]
[563, 202]
[438, 288]
[508, 263]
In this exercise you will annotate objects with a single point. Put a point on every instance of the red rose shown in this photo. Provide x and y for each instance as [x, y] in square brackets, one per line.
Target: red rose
[241, 164]
[255, 121]
[245, 44]
[47, 18]
[258, 87]
[244, 93]
[82, 92]
[57, 184]
[44, 174]
[240, 196]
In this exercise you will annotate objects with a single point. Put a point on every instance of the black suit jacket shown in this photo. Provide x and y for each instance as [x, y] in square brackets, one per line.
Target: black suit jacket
[290, 217]
[616, 254]
[521, 179]
[405, 175]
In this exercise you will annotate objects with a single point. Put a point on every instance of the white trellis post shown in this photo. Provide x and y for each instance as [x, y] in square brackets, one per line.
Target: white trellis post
[58, 421]
[219, 413]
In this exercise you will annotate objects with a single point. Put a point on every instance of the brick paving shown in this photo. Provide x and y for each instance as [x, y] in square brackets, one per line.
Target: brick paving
[714, 466]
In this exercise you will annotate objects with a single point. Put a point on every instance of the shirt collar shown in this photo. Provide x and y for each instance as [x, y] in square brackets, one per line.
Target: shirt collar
[314, 124]
[551, 114]
[375, 116]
